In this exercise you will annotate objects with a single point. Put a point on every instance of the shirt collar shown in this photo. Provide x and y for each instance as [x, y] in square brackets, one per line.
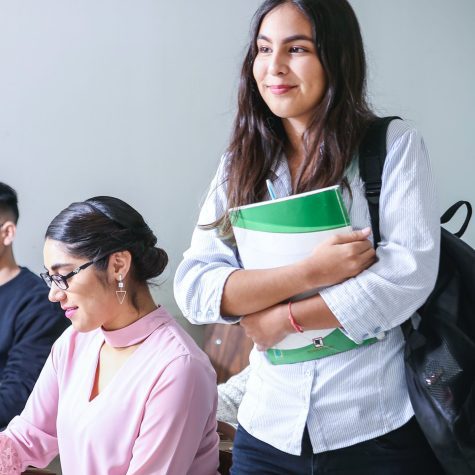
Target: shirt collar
[137, 331]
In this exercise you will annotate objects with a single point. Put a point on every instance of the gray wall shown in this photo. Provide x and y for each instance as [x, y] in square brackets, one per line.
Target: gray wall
[136, 99]
[421, 56]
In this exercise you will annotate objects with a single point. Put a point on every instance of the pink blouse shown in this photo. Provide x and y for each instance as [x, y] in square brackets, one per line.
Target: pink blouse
[156, 416]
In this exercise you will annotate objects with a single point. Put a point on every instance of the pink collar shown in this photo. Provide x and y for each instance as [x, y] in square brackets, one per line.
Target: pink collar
[135, 332]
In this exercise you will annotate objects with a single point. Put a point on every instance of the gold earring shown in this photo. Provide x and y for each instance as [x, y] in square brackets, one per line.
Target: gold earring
[121, 293]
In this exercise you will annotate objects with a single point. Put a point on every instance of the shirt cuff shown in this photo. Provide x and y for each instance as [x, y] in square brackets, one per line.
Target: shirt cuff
[357, 313]
[207, 308]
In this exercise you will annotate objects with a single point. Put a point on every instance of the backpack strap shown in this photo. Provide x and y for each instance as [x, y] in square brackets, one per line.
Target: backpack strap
[372, 154]
[448, 215]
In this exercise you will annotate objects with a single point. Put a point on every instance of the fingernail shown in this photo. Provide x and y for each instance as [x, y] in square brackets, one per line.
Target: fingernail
[366, 230]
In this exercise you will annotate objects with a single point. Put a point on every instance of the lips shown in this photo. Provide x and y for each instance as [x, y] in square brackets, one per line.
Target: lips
[280, 89]
[70, 311]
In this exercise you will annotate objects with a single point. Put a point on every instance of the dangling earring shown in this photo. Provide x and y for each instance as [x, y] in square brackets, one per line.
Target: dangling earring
[121, 293]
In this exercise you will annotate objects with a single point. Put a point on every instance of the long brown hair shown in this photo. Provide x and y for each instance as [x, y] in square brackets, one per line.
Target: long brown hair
[258, 137]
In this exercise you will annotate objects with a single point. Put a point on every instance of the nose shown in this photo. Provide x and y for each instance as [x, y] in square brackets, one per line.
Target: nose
[56, 294]
[278, 64]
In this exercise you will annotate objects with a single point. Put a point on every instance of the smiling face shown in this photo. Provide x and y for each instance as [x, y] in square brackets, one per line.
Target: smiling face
[89, 302]
[288, 73]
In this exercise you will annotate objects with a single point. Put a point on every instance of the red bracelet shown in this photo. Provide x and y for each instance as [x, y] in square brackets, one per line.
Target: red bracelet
[296, 326]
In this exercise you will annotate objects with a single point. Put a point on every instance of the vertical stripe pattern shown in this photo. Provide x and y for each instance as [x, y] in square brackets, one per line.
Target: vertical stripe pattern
[356, 395]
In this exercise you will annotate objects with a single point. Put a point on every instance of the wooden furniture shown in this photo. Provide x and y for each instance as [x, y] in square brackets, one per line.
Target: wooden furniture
[37, 471]
[228, 348]
[225, 457]
[226, 433]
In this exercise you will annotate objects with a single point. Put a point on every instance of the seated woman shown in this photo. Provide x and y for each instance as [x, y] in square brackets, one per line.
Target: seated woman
[125, 390]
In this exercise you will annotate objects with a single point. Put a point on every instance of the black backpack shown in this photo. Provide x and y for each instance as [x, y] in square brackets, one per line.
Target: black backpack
[440, 353]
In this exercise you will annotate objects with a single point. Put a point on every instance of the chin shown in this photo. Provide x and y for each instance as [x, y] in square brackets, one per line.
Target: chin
[282, 113]
[83, 327]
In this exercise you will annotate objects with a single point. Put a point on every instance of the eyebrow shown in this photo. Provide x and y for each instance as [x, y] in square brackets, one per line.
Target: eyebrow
[55, 267]
[289, 39]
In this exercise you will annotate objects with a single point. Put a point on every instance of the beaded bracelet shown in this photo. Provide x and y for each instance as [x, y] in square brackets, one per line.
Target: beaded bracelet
[296, 326]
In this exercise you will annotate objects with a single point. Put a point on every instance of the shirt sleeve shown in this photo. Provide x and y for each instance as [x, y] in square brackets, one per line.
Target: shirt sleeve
[206, 265]
[38, 324]
[33, 432]
[9, 460]
[179, 415]
[391, 290]
[230, 395]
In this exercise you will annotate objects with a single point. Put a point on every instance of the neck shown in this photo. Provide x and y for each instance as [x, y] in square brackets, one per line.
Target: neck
[128, 338]
[129, 313]
[295, 150]
[8, 267]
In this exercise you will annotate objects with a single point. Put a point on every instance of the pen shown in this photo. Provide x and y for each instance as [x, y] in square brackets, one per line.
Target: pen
[271, 190]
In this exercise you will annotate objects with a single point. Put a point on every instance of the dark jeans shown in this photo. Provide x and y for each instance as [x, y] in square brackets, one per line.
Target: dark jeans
[403, 451]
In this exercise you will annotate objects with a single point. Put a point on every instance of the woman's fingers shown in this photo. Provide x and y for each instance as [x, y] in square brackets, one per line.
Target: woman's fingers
[352, 236]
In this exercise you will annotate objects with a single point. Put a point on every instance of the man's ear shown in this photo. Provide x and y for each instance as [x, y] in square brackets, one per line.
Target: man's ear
[8, 233]
[119, 264]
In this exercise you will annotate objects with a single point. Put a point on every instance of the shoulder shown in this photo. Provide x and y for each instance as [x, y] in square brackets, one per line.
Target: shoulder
[26, 275]
[222, 171]
[214, 203]
[26, 298]
[27, 280]
[177, 348]
[72, 342]
[27, 288]
[402, 134]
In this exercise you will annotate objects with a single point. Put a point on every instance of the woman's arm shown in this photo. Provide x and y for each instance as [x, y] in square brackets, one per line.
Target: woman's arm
[335, 260]
[33, 432]
[210, 283]
[269, 326]
[390, 291]
[230, 395]
[10, 463]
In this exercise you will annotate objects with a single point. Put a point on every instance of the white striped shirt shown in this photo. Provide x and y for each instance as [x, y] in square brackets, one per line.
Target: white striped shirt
[356, 395]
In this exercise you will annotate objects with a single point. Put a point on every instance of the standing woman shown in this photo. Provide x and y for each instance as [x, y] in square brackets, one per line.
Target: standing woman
[125, 390]
[302, 114]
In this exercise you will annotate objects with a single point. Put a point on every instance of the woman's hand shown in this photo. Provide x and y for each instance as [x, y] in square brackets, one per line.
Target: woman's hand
[9, 460]
[338, 258]
[267, 327]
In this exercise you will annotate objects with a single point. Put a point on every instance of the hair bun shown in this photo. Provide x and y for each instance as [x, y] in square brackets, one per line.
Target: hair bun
[102, 225]
[151, 264]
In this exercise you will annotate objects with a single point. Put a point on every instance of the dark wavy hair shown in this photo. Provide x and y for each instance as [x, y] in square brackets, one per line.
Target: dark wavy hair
[339, 121]
[96, 228]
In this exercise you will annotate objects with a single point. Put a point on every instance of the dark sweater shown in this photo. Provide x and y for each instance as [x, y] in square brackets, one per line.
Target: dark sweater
[29, 325]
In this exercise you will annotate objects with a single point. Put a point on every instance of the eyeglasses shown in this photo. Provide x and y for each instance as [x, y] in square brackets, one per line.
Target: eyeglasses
[62, 280]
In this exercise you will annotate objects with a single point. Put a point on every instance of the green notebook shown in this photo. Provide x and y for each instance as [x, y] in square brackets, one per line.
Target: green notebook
[282, 231]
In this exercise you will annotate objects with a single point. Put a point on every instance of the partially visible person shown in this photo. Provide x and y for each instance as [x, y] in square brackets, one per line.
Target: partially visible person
[29, 323]
[125, 390]
[230, 394]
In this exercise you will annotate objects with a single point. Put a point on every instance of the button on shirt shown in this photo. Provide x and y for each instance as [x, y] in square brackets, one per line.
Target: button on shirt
[359, 394]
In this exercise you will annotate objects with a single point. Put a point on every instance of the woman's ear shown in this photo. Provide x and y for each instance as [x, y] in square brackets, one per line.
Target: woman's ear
[8, 233]
[119, 265]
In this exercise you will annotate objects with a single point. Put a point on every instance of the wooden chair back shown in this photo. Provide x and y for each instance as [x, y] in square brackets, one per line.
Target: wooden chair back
[228, 348]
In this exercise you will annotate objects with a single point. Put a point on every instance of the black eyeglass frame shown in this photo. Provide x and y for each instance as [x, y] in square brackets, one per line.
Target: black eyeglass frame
[60, 280]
